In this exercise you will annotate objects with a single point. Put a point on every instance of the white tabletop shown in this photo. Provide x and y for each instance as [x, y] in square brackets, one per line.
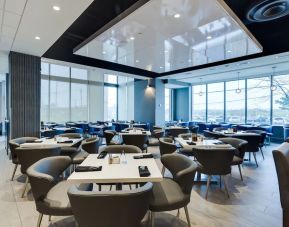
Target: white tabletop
[206, 143]
[117, 173]
[134, 132]
[49, 142]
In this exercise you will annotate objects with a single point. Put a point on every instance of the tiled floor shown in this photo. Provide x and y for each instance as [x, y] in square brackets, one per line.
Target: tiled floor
[254, 202]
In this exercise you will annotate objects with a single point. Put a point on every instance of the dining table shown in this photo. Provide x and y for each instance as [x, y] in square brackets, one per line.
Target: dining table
[124, 172]
[59, 141]
[134, 132]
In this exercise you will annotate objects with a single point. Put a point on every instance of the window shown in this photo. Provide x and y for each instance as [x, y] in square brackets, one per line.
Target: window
[44, 100]
[258, 100]
[44, 68]
[216, 102]
[79, 107]
[78, 73]
[59, 70]
[235, 102]
[59, 101]
[110, 103]
[111, 79]
[281, 100]
[167, 104]
[199, 103]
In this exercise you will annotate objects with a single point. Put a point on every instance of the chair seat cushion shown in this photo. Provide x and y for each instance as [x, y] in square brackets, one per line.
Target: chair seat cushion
[57, 199]
[79, 157]
[237, 160]
[167, 195]
[153, 142]
[69, 151]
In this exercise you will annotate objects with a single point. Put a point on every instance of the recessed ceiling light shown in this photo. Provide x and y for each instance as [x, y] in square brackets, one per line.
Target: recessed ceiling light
[189, 60]
[132, 38]
[177, 15]
[209, 37]
[37, 37]
[103, 52]
[136, 61]
[56, 8]
[229, 51]
[161, 67]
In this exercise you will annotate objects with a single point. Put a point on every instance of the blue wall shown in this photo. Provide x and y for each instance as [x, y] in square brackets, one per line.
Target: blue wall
[160, 103]
[144, 102]
[181, 104]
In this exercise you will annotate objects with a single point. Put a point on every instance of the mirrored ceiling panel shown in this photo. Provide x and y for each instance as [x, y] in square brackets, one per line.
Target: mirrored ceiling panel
[166, 35]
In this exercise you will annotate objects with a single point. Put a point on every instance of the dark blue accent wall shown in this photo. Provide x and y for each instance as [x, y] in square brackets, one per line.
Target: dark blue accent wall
[144, 102]
[181, 104]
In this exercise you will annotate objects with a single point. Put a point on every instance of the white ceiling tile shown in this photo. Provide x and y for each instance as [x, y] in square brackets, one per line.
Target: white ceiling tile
[5, 43]
[1, 4]
[8, 31]
[15, 6]
[11, 19]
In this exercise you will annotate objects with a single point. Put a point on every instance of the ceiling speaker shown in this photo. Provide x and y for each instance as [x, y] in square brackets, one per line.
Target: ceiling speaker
[267, 10]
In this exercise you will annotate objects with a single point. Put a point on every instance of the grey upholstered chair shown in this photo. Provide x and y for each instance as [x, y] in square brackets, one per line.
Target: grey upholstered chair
[174, 193]
[174, 132]
[50, 194]
[167, 146]
[213, 135]
[241, 147]
[28, 156]
[117, 149]
[214, 161]
[281, 158]
[253, 144]
[71, 150]
[110, 208]
[13, 144]
[156, 135]
[139, 140]
[109, 136]
[263, 135]
[88, 146]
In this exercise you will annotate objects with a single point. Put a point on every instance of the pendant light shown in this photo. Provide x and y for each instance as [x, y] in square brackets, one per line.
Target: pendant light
[238, 90]
[201, 91]
[273, 86]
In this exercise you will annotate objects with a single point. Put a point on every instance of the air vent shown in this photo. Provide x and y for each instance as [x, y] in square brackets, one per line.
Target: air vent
[267, 10]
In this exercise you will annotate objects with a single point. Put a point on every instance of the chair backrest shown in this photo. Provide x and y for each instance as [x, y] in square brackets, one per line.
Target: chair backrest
[138, 140]
[158, 133]
[252, 139]
[91, 145]
[281, 159]
[194, 129]
[185, 136]
[29, 155]
[108, 135]
[214, 135]
[262, 133]
[14, 143]
[119, 148]
[70, 135]
[110, 208]
[44, 174]
[240, 145]
[214, 161]
[167, 146]
[182, 168]
[174, 132]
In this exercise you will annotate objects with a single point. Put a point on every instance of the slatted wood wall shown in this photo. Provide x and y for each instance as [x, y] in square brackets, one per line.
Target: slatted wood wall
[25, 96]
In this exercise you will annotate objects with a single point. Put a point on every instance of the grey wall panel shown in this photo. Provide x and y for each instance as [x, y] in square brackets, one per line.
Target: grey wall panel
[25, 84]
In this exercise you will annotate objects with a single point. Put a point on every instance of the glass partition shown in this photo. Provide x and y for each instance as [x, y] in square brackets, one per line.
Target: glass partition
[199, 94]
[216, 102]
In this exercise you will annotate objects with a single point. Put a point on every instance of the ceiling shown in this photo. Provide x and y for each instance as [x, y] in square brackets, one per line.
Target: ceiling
[22, 20]
[177, 34]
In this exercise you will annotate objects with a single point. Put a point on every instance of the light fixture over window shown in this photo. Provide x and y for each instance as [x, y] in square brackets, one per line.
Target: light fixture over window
[201, 91]
[273, 86]
[238, 90]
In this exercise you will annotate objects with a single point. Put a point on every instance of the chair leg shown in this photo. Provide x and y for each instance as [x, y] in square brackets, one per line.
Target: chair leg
[208, 184]
[39, 220]
[250, 156]
[188, 216]
[25, 186]
[163, 170]
[226, 185]
[220, 181]
[49, 218]
[14, 171]
[178, 214]
[254, 154]
[262, 153]
[239, 166]
[152, 219]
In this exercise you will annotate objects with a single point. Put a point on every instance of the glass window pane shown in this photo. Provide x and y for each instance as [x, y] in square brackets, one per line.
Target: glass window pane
[44, 113]
[79, 73]
[44, 68]
[258, 107]
[59, 101]
[59, 70]
[79, 107]
[110, 103]
[199, 103]
[235, 102]
[167, 104]
[111, 79]
[281, 100]
[216, 102]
